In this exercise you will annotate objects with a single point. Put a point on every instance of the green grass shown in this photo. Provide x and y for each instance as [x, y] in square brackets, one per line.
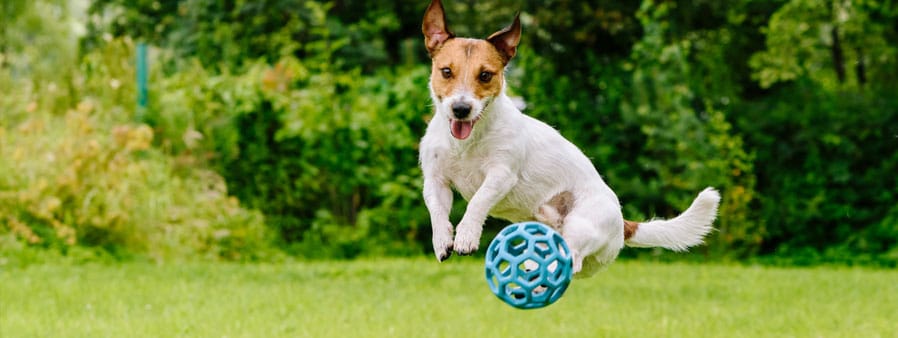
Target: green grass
[421, 298]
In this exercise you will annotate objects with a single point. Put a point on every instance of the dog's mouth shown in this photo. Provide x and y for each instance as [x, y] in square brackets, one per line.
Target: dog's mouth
[461, 129]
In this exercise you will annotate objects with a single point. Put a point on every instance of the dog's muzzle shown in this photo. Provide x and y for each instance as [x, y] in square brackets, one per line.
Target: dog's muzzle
[461, 123]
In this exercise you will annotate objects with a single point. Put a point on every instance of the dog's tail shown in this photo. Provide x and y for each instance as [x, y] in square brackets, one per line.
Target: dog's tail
[678, 234]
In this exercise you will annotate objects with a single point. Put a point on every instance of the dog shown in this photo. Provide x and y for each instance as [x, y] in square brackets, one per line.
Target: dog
[512, 166]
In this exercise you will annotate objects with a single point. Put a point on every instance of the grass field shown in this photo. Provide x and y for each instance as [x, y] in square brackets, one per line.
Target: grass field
[421, 298]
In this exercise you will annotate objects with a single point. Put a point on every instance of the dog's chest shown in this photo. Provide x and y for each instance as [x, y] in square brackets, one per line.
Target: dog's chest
[465, 173]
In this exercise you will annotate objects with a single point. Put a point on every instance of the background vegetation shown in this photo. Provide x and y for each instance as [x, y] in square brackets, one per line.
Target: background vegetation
[291, 126]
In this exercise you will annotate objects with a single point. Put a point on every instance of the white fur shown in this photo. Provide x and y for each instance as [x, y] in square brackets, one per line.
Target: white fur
[687, 229]
[512, 165]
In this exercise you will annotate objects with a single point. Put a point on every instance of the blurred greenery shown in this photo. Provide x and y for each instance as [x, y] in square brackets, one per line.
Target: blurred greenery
[292, 126]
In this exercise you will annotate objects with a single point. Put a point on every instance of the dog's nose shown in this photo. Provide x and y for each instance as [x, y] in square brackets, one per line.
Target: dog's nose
[461, 110]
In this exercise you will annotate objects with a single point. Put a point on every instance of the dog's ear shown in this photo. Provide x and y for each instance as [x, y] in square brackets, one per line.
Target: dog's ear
[506, 40]
[434, 27]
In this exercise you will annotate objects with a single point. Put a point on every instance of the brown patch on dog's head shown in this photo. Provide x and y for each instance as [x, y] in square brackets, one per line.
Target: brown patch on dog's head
[467, 64]
[630, 228]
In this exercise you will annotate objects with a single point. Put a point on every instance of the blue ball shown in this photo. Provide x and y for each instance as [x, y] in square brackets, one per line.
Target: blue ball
[528, 265]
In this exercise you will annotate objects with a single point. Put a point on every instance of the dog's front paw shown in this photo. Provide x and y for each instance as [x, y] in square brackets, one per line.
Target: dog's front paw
[442, 242]
[465, 246]
[466, 242]
[443, 251]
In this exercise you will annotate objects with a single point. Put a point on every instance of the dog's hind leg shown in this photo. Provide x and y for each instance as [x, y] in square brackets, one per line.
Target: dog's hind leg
[582, 238]
[593, 234]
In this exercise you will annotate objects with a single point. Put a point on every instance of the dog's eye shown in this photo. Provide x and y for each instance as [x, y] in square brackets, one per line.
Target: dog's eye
[486, 77]
[447, 73]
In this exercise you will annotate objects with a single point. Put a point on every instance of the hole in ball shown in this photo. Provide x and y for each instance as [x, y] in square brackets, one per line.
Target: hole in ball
[515, 290]
[516, 246]
[504, 268]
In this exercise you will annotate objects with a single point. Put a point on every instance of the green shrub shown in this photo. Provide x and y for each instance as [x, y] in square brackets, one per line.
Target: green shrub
[331, 159]
[90, 177]
[828, 172]
[92, 186]
[825, 132]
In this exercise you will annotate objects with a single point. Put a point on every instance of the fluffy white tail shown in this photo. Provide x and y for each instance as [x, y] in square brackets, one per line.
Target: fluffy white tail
[686, 230]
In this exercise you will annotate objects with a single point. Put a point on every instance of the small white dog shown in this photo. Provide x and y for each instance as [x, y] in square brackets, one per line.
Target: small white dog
[512, 166]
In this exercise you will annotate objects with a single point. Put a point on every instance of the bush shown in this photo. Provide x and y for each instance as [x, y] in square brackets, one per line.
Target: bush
[90, 177]
[331, 159]
[825, 162]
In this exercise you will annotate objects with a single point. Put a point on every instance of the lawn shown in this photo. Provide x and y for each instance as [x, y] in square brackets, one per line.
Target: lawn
[422, 298]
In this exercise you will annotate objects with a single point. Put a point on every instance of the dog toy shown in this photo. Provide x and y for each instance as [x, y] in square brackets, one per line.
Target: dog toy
[528, 265]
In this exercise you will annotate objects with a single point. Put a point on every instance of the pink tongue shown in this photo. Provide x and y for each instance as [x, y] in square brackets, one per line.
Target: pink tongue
[461, 129]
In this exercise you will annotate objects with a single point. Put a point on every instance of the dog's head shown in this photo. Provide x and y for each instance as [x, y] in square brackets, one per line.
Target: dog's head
[467, 74]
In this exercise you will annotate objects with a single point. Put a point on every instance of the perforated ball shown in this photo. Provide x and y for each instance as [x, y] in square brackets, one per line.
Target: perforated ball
[528, 265]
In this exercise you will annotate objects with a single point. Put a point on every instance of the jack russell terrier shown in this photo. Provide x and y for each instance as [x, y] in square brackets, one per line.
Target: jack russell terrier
[512, 166]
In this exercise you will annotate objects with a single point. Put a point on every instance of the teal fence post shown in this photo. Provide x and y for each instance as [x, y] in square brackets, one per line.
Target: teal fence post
[142, 71]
